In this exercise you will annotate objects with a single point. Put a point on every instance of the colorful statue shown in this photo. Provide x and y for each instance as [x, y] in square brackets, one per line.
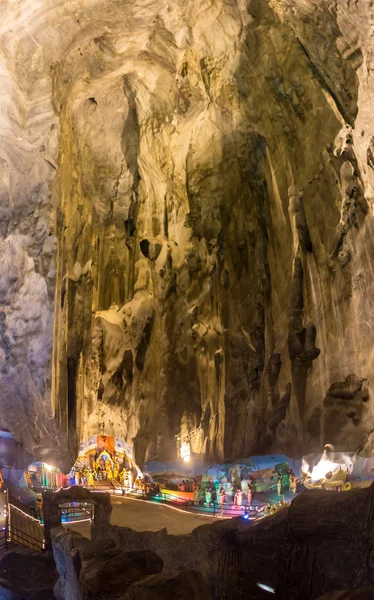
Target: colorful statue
[293, 481]
[238, 498]
[109, 471]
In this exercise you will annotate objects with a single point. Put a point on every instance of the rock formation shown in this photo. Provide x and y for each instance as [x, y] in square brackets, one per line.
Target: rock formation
[90, 570]
[186, 224]
[321, 544]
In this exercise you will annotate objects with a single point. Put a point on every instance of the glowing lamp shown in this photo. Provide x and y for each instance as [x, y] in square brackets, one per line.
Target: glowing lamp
[267, 588]
[185, 451]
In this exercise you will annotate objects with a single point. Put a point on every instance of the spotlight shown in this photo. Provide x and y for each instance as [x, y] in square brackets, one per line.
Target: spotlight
[265, 587]
[186, 458]
[246, 516]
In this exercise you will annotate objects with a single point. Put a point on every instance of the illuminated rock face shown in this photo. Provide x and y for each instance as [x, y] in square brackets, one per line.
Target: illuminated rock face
[208, 235]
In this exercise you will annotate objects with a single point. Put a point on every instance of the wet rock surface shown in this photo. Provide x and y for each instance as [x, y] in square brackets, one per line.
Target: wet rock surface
[186, 191]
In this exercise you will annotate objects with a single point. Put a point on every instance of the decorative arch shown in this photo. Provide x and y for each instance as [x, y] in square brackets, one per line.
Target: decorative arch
[53, 500]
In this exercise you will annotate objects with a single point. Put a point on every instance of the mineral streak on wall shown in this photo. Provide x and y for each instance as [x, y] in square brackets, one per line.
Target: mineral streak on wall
[188, 182]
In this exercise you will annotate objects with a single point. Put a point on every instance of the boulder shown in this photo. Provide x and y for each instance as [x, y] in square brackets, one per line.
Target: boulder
[66, 546]
[184, 585]
[109, 574]
[95, 548]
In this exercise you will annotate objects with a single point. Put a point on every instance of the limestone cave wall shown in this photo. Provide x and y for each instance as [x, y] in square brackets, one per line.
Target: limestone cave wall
[187, 225]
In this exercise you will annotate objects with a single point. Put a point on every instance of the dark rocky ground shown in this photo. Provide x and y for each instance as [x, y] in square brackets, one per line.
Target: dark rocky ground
[26, 575]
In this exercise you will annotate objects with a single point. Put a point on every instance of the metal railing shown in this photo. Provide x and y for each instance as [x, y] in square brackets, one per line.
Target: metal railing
[212, 508]
[21, 537]
[70, 514]
[3, 539]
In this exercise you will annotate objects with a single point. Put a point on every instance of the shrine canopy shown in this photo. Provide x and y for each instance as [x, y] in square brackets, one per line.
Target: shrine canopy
[106, 451]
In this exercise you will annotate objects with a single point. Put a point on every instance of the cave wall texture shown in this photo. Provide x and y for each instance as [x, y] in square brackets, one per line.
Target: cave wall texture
[187, 225]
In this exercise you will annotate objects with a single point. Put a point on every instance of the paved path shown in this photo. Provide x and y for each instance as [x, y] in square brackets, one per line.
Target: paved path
[141, 515]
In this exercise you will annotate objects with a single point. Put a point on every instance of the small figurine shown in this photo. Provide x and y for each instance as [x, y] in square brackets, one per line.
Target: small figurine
[279, 485]
[293, 479]
[249, 496]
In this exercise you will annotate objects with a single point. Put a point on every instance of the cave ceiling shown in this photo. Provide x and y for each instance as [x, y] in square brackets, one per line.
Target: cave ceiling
[186, 225]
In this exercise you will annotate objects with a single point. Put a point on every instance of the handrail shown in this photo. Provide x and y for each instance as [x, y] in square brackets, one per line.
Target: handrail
[4, 541]
[77, 513]
[39, 544]
[192, 506]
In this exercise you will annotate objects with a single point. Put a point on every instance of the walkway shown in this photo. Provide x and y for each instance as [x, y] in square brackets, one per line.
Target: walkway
[152, 515]
[141, 515]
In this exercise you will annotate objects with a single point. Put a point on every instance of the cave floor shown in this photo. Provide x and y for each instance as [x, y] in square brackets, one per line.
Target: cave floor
[142, 515]
[148, 516]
